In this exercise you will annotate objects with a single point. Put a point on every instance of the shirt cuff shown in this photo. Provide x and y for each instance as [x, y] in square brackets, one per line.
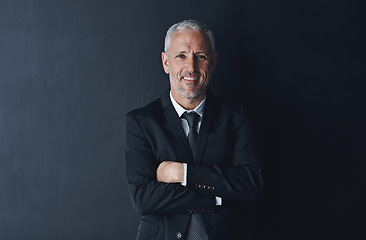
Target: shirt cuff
[184, 183]
[218, 201]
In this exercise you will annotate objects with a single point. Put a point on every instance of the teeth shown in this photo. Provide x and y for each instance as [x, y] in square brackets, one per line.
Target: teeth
[188, 78]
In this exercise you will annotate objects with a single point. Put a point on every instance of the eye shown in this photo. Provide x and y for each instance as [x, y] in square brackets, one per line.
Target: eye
[202, 57]
[180, 56]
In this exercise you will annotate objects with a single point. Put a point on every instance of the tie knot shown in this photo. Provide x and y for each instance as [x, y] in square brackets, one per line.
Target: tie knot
[192, 118]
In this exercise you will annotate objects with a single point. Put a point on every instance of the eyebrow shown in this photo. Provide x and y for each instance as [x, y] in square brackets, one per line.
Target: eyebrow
[183, 51]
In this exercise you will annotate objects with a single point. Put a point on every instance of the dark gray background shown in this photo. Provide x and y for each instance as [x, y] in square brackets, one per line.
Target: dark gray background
[70, 70]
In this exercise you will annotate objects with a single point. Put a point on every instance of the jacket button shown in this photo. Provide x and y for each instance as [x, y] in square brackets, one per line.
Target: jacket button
[178, 235]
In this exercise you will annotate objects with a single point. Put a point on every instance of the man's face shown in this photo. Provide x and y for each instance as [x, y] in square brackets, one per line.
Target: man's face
[190, 63]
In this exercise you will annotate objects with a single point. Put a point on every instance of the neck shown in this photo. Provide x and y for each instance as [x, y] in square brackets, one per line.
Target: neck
[188, 103]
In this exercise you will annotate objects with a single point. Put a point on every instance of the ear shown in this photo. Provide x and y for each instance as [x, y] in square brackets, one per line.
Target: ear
[164, 59]
[213, 62]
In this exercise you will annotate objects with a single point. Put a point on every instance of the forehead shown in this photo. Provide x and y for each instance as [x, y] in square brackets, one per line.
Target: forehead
[190, 40]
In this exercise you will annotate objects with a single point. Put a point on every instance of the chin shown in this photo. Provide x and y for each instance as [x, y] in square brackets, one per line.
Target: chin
[190, 94]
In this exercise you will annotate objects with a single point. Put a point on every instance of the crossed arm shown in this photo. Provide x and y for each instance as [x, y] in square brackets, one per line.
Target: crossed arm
[156, 188]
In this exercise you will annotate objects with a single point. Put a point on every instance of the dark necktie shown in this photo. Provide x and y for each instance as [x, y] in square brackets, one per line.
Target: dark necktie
[192, 119]
[196, 228]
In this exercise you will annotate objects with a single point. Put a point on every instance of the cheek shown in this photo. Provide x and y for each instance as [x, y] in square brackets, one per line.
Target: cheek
[205, 69]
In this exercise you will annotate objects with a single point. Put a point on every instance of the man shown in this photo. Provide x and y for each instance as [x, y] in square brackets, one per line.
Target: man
[191, 159]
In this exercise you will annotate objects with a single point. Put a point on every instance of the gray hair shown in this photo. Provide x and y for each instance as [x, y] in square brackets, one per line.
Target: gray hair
[188, 25]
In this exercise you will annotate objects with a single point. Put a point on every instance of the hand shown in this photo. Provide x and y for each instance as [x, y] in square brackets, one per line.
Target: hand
[170, 172]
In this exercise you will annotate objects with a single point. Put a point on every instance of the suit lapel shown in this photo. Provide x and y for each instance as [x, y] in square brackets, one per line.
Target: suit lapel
[176, 127]
[205, 127]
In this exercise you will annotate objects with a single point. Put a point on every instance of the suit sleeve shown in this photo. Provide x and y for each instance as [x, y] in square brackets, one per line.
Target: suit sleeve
[149, 196]
[241, 180]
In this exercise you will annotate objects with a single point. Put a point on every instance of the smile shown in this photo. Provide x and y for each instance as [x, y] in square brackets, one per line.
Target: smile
[190, 78]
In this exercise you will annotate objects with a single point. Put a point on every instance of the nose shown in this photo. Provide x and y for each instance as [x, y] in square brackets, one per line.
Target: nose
[192, 64]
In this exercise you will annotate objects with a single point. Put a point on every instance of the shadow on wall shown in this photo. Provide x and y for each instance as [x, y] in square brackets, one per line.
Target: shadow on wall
[247, 72]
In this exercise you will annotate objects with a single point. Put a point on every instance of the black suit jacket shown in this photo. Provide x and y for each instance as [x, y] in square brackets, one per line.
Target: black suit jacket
[226, 166]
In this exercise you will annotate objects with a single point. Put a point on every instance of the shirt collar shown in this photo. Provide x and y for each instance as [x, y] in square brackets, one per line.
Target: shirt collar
[180, 110]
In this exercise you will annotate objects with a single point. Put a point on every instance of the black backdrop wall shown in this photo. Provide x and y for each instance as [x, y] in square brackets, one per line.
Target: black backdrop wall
[71, 69]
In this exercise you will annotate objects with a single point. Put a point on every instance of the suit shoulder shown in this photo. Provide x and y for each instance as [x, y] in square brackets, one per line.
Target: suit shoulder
[148, 110]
